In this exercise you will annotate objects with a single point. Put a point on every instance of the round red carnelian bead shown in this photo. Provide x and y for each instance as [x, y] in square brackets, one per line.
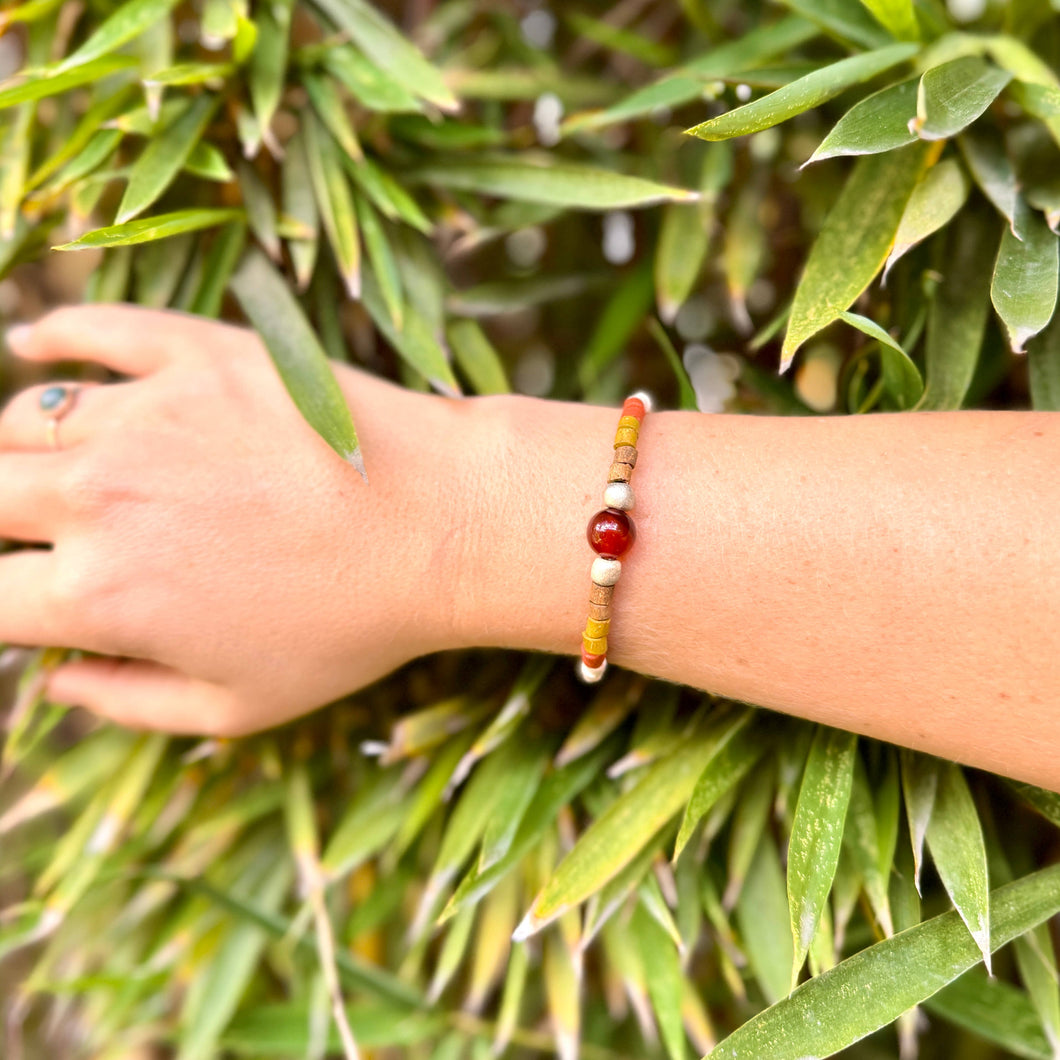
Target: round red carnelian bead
[611, 533]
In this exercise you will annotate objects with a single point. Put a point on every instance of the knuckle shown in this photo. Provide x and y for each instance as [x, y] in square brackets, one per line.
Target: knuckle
[93, 481]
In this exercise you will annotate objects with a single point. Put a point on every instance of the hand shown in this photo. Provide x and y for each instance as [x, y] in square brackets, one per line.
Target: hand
[231, 570]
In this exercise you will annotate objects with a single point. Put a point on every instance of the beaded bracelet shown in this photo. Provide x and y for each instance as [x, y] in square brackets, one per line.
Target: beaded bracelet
[611, 533]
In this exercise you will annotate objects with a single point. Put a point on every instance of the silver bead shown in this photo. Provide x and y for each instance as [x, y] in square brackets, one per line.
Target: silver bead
[606, 571]
[619, 495]
[645, 400]
[591, 674]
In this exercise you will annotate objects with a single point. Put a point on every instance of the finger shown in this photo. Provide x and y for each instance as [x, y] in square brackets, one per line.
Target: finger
[24, 420]
[30, 507]
[127, 339]
[142, 695]
[29, 615]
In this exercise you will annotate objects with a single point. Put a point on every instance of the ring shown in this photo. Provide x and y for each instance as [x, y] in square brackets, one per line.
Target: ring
[57, 401]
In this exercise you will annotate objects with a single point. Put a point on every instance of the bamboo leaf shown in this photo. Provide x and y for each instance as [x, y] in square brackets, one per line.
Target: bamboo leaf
[300, 205]
[568, 184]
[903, 971]
[762, 916]
[1036, 960]
[1024, 286]
[268, 61]
[517, 791]
[50, 81]
[984, 154]
[261, 209]
[749, 817]
[901, 376]
[854, 242]
[384, 265]
[477, 358]
[955, 839]
[953, 95]
[662, 974]
[225, 251]
[208, 162]
[817, 834]
[920, 778]
[995, 1011]
[958, 315]
[376, 36]
[335, 203]
[862, 839]
[803, 94]
[146, 229]
[302, 364]
[878, 123]
[617, 836]
[332, 112]
[898, 16]
[128, 21]
[847, 20]
[164, 157]
[736, 751]
[1043, 370]
[371, 86]
[934, 203]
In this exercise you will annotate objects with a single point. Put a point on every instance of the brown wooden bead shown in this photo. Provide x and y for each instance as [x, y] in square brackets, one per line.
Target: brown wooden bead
[601, 594]
[602, 612]
[620, 473]
[626, 454]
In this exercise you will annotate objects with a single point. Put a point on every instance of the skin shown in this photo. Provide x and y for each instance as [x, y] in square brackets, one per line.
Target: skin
[898, 576]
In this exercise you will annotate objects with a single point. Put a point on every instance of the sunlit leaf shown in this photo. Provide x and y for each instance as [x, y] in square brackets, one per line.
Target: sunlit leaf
[847, 20]
[900, 375]
[854, 242]
[805, 93]
[37, 84]
[898, 16]
[935, 201]
[817, 834]
[297, 354]
[1024, 287]
[953, 95]
[879, 122]
[903, 970]
[146, 229]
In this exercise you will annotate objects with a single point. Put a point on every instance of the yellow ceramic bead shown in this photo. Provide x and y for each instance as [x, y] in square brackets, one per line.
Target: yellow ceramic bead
[597, 627]
[595, 645]
[629, 421]
[625, 436]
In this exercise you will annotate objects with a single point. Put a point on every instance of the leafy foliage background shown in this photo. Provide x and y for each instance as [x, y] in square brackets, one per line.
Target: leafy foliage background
[504, 194]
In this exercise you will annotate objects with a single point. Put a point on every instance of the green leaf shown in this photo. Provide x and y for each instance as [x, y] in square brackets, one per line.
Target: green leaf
[225, 251]
[331, 109]
[415, 342]
[371, 86]
[953, 95]
[335, 203]
[898, 16]
[748, 819]
[384, 265]
[803, 94]
[762, 916]
[1047, 803]
[146, 229]
[900, 375]
[517, 790]
[817, 834]
[878, 123]
[847, 20]
[50, 81]
[300, 205]
[261, 209]
[690, 81]
[302, 364]
[207, 162]
[920, 777]
[955, 839]
[735, 752]
[854, 242]
[621, 832]
[1036, 960]
[1024, 286]
[1043, 369]
[959, 311]
[984, 154]
[164, 157]
[903, 971]
[268, 62]
[662, 973]
[942, 191]
[684, 238]
[477, 358]
[994, 1010]
[861, 839]
[128, 21]
[376, 36]
[532, 178]
[212, 74]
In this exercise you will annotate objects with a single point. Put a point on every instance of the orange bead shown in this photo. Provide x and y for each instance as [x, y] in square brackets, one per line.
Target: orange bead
[594, 662]
[633, 406]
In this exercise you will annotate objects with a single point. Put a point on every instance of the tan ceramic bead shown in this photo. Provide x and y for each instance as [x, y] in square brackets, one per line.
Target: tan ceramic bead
[601, 594]
[601, 612]
[620, 473]
[626, 454]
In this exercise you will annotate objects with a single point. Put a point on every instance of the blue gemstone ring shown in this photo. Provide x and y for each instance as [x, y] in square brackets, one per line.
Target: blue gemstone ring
[55, 402]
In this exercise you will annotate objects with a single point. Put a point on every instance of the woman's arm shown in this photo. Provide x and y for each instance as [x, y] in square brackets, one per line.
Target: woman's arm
[896, 575]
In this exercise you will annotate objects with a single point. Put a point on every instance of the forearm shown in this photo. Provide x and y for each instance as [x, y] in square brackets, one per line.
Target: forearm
[894, 575]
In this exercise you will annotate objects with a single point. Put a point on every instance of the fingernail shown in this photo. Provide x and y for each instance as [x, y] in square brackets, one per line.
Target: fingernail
[16, 336]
